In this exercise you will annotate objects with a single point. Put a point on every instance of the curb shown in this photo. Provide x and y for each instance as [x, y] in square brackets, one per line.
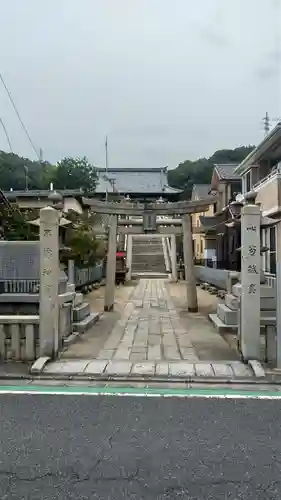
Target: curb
[141, 378]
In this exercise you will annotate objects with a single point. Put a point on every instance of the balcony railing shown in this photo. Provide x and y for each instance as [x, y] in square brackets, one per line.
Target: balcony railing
[273, 174]
[269, 192]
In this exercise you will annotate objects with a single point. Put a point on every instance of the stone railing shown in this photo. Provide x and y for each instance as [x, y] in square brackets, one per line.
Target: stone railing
[19, 337]
[213, 276]
[19, 286]
[85, 276]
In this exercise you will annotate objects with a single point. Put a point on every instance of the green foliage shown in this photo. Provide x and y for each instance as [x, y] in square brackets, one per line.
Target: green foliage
[15, 226]
[81, 241]
[14, 170]
[75, 173]
[200, 171]
[70, 173]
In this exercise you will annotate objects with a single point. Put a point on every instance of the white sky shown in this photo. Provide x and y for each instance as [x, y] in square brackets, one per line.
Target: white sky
[167, 80]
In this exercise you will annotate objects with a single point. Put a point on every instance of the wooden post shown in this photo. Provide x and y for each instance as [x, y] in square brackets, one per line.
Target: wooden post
[190, 279]
[49, 282]
[111, 264]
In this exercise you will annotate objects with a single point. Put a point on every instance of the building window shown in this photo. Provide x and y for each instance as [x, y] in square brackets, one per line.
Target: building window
[201, 246]
[269, 257]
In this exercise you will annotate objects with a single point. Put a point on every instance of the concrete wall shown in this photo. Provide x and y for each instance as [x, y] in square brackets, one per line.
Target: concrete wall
[216, 277]
[269, 194]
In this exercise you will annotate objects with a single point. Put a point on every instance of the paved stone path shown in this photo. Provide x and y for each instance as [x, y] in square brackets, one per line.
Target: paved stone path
[150, 328]
[149, 341]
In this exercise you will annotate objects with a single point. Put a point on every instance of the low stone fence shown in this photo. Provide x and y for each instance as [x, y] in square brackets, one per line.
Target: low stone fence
[19, 334]
[87, 276]
[213, 276]
[19, 338]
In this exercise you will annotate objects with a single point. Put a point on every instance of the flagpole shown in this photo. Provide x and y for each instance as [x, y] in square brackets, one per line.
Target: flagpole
[106, 167]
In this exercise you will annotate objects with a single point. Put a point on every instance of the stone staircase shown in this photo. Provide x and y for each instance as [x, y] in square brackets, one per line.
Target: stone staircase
[148, 256]
[226, 317]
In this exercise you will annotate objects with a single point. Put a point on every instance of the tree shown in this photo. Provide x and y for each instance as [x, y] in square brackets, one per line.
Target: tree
[15, 226]
[81, 242]
[75, 173]
[200, 171]
[18, 173]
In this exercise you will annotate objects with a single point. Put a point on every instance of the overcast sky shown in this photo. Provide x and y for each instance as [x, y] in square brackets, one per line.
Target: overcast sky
[167, 80]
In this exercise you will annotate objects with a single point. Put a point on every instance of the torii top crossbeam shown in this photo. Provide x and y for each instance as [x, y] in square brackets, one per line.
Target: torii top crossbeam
[137, 209]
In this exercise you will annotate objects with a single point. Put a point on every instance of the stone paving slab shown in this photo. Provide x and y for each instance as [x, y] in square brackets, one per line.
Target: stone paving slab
[176, 369]
[149, 329]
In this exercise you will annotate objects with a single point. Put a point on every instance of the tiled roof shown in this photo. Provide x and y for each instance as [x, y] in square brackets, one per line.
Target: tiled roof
[226, 171]
[134, 180]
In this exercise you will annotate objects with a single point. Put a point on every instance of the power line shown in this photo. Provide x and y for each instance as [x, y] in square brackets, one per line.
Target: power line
[6, 134]
[19, 117]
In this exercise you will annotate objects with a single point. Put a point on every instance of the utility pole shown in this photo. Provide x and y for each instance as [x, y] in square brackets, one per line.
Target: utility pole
[266, 124]
[41, 155]
[26, 177]
[106, 167]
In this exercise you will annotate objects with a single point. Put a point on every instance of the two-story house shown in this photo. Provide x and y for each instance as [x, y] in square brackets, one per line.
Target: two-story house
[200, 248]
[221, 229]
[261, 172]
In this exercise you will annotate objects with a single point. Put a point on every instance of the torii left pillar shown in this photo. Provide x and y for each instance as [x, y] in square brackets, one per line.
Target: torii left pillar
[190, 279]
[111, 264]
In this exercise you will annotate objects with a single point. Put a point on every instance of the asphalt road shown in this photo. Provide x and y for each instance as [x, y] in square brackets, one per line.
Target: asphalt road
[87, 447]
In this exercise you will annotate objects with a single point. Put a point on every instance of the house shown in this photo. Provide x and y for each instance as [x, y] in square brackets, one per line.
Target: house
[200, 249]
[221, 229]
[261, 172]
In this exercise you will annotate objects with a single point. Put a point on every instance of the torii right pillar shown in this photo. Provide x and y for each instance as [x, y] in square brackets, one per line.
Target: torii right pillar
[190, 279]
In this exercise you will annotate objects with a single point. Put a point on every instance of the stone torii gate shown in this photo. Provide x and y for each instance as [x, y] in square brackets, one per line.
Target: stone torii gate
[181, 224]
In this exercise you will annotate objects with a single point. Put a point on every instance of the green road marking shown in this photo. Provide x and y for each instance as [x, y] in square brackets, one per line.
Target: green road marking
[145, 392]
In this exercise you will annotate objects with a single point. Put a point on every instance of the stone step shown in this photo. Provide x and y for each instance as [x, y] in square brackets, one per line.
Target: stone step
[83, 326]
[150, 275]
[147, 252]
[150, 262]
[80, 312]
[148, 258]
[220, 325]
[231, 301]
[143, 267]
[267, 303]
[78, 299]
[266, 291]
[226, 315]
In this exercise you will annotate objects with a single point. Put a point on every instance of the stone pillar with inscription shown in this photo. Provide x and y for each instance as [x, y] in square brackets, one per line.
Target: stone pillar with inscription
[173, 254]
[249, 327]
[111, 264]
[49, 281]
[190, 278]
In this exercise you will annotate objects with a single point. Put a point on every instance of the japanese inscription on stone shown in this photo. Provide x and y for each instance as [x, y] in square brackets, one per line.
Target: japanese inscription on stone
[249, 326]
[251, 264]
